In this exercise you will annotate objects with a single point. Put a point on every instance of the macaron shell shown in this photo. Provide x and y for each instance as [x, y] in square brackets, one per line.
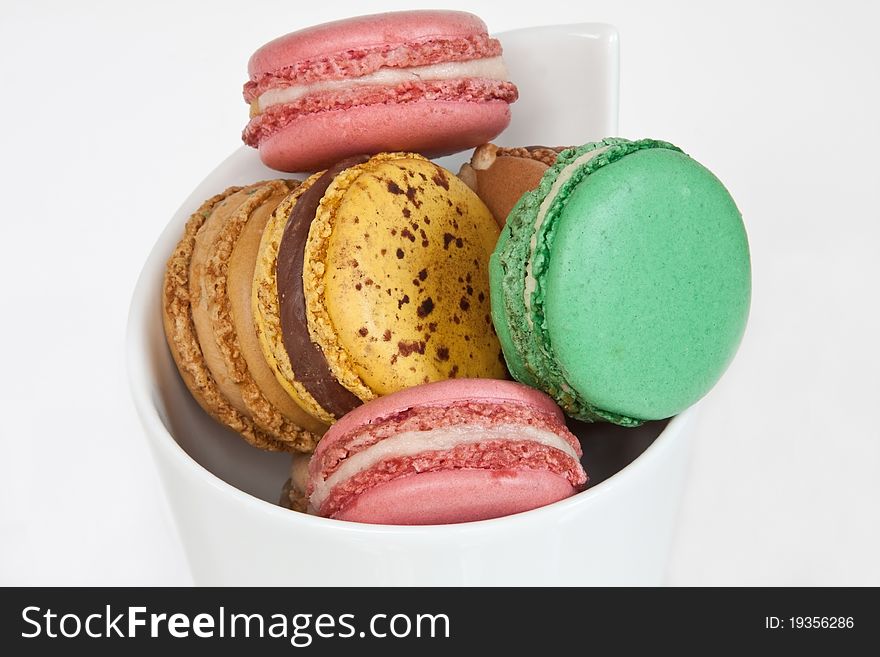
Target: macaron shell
[432, 128]
[390, 28]
[522, 350]
[502, 185]
[439, 393]
[265, 309]
[200, 294]
[500, 176]
[272, 404]
[397, 288]
[183, 341]
[453, 496]
[217, 274]
[653, 249]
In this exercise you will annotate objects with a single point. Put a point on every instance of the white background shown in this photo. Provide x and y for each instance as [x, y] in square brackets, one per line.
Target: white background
[112, 112]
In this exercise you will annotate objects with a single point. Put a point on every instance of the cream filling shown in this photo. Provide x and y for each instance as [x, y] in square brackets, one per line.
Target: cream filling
[563, 177]
[411, 443]
[490, 68]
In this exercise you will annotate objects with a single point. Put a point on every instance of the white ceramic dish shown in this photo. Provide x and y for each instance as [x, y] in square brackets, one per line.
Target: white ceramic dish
[222, 491]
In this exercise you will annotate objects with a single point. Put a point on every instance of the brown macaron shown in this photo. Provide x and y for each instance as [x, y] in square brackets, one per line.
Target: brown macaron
[210, 328]
[500, 176]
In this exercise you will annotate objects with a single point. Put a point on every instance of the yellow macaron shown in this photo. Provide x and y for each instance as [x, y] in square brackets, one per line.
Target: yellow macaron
[267, 312]
[396, 277]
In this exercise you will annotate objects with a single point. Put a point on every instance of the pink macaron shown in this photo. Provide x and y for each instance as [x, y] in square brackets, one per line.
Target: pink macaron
[431, 82]
[446, 452]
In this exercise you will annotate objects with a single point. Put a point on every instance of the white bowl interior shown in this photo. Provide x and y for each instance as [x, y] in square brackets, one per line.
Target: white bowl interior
[571, 100]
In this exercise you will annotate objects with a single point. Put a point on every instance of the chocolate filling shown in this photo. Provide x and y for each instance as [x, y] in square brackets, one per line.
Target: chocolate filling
[306, 358]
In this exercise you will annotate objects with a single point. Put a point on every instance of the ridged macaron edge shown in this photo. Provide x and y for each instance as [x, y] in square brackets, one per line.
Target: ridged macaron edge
[504, 311]
[263, 413]
[529, 362]
[498, 392]
[183, 342]
[534, 347]
[264, 304]
[394, 28]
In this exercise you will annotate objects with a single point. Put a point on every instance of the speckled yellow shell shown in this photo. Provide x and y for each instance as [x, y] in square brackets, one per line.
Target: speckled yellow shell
[396, 281]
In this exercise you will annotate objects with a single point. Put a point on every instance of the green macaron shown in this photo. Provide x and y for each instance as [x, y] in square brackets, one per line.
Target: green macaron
[621, 285]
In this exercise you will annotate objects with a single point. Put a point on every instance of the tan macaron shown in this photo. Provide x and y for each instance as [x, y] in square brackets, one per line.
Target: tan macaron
[500, 176]
[210, 328]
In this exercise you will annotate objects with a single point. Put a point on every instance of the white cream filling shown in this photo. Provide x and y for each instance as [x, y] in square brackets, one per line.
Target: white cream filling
[411, 443]
[563, 177]
[490, 68]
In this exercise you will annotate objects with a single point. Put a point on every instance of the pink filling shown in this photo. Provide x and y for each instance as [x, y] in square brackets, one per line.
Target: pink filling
[363, 61]
[425, 418]
[277, 117]
[501, 455]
